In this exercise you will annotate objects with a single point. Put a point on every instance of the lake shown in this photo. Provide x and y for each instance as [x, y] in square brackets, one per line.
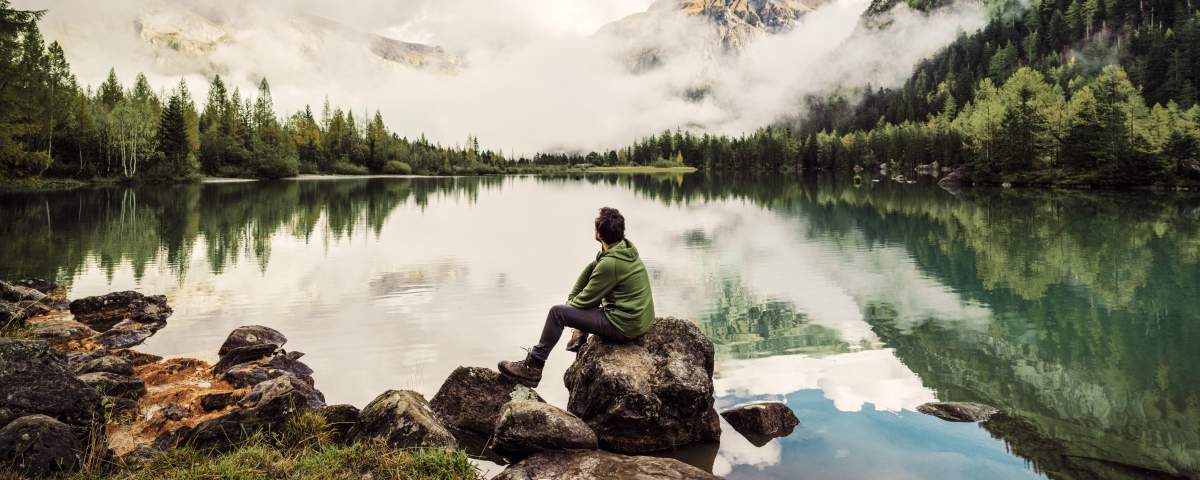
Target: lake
[1074, 312]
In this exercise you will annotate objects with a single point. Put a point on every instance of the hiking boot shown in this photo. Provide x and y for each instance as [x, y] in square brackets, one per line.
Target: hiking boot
[527, 372]
[578, 338]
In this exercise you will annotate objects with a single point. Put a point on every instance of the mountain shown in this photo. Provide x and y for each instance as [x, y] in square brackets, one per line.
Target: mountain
[186, 41]
[728, 26]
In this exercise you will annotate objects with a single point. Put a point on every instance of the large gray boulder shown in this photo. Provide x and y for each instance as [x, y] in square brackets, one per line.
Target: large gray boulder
[651, 394]
[38, 446]
[104, 311]
[36, 380]
[471, 398]
[600, 465]
[403, 419]
[958, 411]
[107, 363]
[760, 422]
[58, 331]
[526, 427]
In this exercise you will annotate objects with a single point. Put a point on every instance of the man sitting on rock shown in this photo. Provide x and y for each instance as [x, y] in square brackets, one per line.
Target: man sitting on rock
[611, 299]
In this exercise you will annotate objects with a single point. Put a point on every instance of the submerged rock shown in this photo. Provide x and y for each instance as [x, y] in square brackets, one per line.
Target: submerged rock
[651, 394]
[471, 398]
[600, 465]
[526, 426]
[958, 411]
[760, 422]
[252, 336]
[115, 385]
[36, 380]
[104, 311]
[403, 419]
[39, 447]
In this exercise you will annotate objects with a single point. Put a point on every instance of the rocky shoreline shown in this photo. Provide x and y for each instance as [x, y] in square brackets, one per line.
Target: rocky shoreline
[76, 391]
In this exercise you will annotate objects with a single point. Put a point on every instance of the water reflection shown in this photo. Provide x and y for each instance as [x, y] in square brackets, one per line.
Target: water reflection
[1074, 312]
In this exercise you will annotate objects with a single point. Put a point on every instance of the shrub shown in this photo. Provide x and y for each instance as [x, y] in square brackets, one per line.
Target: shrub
[347, 168]
[396, 167]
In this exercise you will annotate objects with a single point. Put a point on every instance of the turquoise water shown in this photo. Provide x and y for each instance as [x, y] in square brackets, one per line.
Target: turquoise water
[1075, 313]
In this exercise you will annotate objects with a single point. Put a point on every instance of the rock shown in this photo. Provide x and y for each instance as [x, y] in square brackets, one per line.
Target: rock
[42, 285]
[120, 406]
[600, 465]
[16, 293]
[471, 398]
[258, 371]
[958, 411]
[952, 180]
[239, 355]
[267, 407]
[35, 380]
[527, 426]
[173, 412]
[107, 363]
[252, 336]
[404, 420]
[125, 334]
[138, 358]
[103, 312]
[59, 331]
[39, 446]
[759, 422]
[10, 314]
[341, 419]
[651, 394]
[115, 385]
[217, 401]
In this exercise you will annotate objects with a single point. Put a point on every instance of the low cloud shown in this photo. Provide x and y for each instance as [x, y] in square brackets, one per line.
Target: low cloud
[535, 77]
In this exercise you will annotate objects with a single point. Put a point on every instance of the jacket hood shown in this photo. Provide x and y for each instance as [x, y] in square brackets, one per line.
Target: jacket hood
[622, 250]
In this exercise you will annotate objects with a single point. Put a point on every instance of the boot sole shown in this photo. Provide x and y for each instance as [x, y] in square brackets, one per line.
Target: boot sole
[519, 379]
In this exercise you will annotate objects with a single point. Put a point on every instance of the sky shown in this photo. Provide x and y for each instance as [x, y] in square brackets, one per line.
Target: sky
[536, 75]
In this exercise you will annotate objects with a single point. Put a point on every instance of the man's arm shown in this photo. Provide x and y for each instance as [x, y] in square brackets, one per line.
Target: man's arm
[599, 284]
[582, 281]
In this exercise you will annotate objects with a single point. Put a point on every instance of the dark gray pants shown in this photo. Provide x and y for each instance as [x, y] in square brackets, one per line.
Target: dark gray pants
[591, 321]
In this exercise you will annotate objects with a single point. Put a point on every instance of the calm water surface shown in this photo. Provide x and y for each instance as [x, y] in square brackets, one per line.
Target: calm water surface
[1076, 313]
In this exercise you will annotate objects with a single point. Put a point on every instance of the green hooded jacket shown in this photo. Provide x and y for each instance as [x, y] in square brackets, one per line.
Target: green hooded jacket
[618, 281]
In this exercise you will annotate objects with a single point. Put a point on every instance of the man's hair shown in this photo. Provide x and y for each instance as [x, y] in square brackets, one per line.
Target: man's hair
[611, 225]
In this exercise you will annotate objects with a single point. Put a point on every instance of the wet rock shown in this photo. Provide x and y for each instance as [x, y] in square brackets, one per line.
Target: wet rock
[252, 336]
[651, 394]
[59, 331]
[760, 422]
[115, 385]
[137, 358]
[217, 401]
[404, 420]
[600, 465]
[104, 311]
[240, 355]
[282, 396]
[526, 426]
[471, 398]
[958, 411]
[127, 333]
[341, 420]
[258, 371]
[107, 363]
[39, 446]
[36, 380]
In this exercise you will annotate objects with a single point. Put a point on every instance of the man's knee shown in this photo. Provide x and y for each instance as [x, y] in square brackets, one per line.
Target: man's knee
[558, 314]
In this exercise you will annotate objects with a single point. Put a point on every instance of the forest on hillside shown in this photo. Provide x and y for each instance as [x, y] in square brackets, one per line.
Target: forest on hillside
[50, 125]
[1075, 92]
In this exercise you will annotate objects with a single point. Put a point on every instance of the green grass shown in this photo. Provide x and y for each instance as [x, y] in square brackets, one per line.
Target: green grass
[642, 169]
[303, 450]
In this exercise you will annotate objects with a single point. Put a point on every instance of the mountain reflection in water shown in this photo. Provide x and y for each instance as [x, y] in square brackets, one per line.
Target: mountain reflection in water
[1075, 313]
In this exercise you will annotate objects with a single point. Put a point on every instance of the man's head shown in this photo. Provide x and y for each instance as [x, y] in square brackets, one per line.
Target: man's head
[610, 226]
